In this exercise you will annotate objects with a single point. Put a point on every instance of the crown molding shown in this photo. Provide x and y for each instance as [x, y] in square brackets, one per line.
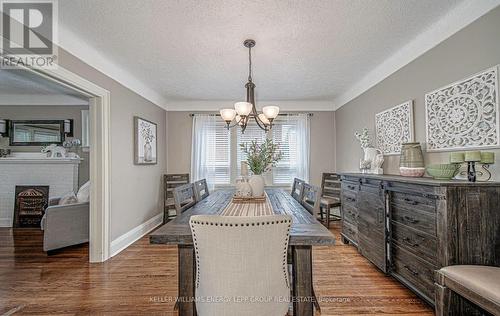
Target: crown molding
[285, 105]
[455, 20]
[41, 100]
[82, 50]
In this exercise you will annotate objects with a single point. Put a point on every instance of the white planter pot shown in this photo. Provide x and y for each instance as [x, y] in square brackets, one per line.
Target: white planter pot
[257, 184]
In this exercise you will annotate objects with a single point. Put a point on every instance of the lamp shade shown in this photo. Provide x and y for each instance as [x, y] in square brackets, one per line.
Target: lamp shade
[472, 156]
[227, 114]
[3, 126]
[243, 108]
[487, 157]
[271, 111]
[457, 157]
[264, 119]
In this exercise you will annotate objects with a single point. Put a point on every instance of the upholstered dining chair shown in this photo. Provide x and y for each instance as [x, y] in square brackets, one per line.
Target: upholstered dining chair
[184, 197]
[201, 189]
[241, 257]
[297, 189]
[310, 199]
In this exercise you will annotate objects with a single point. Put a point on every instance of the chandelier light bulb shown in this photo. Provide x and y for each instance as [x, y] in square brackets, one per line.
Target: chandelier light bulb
[271, 111]
[264, 119]
[243, 108]
[227, 114]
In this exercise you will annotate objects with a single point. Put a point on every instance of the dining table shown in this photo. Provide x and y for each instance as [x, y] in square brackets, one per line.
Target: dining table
[306, 231]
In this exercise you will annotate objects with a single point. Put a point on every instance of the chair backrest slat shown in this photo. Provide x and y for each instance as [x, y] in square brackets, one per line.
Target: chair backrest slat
[310, 198]
[330, 185]
[184, 197]
[297, 189]
[231, 262]
[201, 189]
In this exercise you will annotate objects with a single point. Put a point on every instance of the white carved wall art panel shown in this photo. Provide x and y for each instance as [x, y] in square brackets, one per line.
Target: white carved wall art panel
[394, 127]
[464, 114]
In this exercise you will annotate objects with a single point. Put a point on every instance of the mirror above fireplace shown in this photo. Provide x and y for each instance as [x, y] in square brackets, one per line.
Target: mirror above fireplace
[36, 132]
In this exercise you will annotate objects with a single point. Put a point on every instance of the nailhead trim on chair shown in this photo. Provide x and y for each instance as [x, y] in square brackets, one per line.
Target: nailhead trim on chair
[285, 265]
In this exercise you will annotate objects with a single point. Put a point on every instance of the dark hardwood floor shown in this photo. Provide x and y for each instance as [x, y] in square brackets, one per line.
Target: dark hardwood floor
[142, 280]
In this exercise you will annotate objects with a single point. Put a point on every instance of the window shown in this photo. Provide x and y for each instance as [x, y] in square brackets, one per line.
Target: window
[216, 153]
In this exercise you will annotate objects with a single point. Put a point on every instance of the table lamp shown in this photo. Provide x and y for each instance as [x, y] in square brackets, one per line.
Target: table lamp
[471, 157]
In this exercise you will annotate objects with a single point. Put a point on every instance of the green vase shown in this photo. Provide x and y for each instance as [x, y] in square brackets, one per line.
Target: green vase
[411, 156]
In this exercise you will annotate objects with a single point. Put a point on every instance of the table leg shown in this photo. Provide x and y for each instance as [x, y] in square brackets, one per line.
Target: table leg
[327, 216]
[302, 281]
[187, 270]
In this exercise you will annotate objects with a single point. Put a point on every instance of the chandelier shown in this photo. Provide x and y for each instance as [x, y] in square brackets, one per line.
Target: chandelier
[243, 112]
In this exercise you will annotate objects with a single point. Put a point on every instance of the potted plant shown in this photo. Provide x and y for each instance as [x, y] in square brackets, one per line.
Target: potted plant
[260, 159]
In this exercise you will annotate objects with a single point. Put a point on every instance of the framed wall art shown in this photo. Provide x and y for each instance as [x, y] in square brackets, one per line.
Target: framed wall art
[145, 142]
[464, 115]
[394, 127]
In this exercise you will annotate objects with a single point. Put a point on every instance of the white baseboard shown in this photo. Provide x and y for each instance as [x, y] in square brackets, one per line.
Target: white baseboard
[135, 234]
[5, 222]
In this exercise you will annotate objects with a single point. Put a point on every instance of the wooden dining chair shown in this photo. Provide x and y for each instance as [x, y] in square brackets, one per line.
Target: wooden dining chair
[201, 189]
[184, 197]
[231, 262]
[310, 199]
[170, 182]
[297, 189]
[330, 197]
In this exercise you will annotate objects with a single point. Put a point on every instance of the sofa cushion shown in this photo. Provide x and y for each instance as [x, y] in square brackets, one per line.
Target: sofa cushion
[83, 194]
[68, 198]
[483, 280]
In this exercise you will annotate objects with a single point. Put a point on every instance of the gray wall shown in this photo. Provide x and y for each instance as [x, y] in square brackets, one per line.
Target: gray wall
[34, 112]
[136, 191]
[473, 49]
[179, 132]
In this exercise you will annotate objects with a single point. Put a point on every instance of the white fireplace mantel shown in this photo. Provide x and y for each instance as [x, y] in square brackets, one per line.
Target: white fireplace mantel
[24, 168]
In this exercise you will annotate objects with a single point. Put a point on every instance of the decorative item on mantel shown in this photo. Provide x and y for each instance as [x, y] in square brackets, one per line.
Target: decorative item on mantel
[472, 158]
[260, 159]
[54, 151]
[373, 158]
[411, 161]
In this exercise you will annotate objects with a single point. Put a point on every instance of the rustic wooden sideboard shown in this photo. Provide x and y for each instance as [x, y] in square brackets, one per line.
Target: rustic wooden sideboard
[409, 227]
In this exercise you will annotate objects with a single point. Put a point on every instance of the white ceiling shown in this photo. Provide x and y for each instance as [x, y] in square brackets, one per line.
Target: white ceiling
[192, 50]
[20, 87]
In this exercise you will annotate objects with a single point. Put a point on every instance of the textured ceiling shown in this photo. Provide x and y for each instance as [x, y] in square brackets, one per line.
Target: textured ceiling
[306, 50]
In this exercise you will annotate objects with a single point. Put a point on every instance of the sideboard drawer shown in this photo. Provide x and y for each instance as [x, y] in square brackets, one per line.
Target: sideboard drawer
[350, 231]
[350, 213]
[418, 220]
[417, 273]
[414, 201]
[420, 244]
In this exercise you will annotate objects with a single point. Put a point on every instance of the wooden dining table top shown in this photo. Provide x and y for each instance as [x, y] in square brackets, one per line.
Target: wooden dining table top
[306, 230]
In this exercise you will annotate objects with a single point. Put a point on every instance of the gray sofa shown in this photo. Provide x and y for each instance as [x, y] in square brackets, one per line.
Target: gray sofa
[65, 225]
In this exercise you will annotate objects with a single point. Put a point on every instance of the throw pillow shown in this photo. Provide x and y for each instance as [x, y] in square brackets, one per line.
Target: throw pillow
[83, 194]
[68, 198]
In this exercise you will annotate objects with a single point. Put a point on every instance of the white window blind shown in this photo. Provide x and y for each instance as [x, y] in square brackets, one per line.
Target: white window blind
[217, 156]
[220, 140]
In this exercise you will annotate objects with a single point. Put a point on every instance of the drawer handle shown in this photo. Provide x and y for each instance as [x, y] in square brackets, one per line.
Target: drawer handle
[415, 273]
[409, 242]
[350, 199]
[410, 219]
[410, 201]
[351, 187]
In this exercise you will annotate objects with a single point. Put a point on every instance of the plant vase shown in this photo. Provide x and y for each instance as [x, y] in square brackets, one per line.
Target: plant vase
[148, 152]
[257, 184]
[371, 154]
